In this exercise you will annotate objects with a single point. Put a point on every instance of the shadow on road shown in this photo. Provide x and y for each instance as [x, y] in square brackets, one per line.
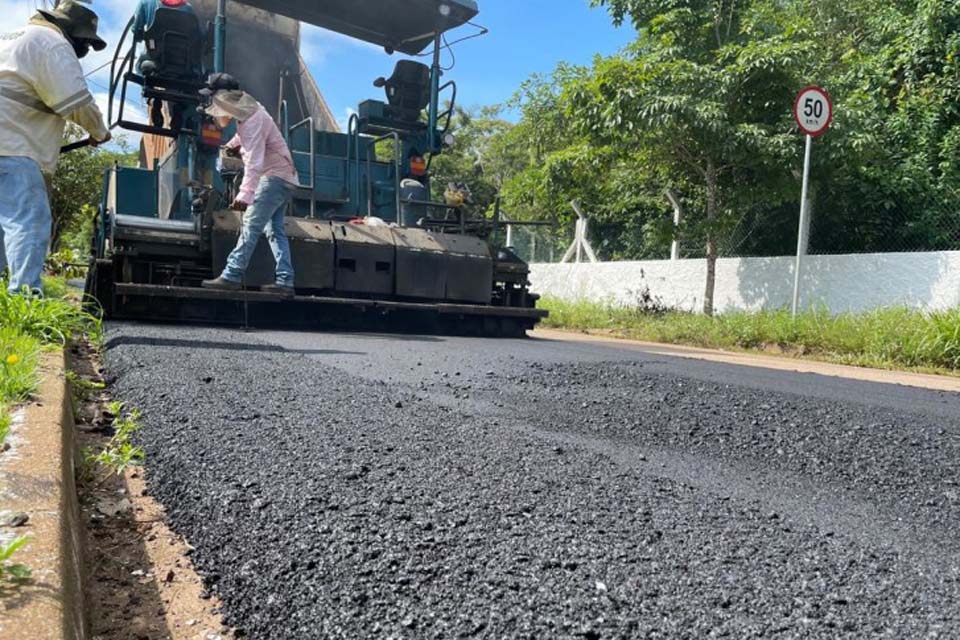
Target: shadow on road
[120, 341]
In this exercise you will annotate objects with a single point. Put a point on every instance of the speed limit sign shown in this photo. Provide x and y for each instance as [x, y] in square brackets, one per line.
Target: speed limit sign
[813, 111]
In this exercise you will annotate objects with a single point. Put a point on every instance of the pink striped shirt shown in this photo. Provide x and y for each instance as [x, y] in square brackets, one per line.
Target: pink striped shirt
[264, 151]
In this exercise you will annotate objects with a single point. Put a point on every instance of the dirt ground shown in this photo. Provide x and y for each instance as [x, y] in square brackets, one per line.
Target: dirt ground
[141, 583]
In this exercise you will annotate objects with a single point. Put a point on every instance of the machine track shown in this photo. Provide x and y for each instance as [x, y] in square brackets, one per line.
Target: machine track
[264, 310]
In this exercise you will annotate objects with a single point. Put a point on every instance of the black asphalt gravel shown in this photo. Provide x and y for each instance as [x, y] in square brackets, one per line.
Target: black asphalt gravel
[358, 486]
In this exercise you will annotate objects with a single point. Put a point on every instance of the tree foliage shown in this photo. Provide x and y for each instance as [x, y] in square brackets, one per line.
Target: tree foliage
[77, 186]
[701, 105]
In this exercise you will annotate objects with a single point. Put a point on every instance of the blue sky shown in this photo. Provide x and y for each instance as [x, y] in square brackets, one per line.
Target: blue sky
[526, 37]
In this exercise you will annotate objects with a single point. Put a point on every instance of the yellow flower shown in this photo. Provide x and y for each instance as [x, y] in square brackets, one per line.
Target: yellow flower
[13, 359]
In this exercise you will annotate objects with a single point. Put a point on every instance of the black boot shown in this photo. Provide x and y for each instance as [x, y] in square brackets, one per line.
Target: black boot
[222, 284]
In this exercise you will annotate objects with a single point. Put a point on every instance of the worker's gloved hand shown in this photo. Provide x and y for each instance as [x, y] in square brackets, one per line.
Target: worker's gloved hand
[96, 143]
[239, 205]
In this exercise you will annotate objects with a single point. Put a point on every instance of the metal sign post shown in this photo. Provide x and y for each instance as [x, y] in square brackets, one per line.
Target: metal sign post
[813, 111]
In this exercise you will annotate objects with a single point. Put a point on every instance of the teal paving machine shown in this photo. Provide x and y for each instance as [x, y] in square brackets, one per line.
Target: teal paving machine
[372, 249]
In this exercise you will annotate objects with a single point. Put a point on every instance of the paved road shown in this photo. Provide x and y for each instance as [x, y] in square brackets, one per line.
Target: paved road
[361, 486]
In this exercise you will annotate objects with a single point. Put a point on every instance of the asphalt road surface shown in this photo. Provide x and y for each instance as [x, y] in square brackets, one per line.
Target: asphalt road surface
[368, 486]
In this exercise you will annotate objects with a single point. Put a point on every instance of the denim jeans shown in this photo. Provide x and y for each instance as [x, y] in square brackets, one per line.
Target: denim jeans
[265, 215]
[25, 221]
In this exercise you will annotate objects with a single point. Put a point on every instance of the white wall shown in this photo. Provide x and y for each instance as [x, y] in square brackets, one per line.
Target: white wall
[841, 283]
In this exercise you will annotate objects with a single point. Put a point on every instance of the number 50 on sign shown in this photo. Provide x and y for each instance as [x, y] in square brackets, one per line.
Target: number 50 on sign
[813, 111]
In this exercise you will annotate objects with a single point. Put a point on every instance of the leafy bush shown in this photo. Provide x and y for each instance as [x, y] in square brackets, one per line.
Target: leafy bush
[65, 263]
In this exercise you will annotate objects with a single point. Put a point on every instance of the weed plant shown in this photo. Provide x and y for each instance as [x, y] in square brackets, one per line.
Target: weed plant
[11, 570]
[119, 453]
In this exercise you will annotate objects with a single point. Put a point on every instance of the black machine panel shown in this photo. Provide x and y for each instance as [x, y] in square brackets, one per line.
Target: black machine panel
[421, 265]
[351, 259]
[469, 268]
[365, 260]
[311, 242]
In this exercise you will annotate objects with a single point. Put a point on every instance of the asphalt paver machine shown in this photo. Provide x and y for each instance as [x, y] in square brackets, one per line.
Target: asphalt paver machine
[372, 248]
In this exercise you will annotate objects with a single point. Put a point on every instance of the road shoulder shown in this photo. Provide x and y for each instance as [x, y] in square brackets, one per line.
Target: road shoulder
[918, 380]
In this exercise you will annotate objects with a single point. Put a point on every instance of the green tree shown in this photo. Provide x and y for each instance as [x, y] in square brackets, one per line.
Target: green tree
[77, 186]
[702, 94]
[476, 158]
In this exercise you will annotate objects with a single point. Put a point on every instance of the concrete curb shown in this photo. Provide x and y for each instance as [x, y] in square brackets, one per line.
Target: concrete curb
[37, 478]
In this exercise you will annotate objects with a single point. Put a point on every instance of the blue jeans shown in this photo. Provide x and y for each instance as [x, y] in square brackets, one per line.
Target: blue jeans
[265, 215]
[25, 221]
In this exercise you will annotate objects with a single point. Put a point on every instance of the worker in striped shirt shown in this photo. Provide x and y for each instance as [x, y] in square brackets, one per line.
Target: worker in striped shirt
[42, 86]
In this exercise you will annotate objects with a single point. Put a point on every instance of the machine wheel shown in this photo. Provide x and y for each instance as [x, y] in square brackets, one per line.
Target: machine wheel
[98, 288]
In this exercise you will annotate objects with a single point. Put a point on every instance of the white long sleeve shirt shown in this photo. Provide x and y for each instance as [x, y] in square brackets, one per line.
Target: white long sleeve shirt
[264, 152]
[41, 88]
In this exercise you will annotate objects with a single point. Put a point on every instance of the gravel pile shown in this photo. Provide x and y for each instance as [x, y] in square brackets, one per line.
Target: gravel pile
[577, 500]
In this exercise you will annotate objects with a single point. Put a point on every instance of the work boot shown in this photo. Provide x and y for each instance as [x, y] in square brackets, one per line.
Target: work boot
[222, 284]
[286, 292]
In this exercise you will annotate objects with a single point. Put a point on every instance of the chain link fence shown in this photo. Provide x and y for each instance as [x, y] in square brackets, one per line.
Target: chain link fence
[758, 234]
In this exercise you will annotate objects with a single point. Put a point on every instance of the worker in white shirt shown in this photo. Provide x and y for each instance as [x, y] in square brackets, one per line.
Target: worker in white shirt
[41, 88]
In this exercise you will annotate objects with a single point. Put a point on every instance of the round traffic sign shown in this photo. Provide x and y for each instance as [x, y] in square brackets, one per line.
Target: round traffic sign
[813, 111]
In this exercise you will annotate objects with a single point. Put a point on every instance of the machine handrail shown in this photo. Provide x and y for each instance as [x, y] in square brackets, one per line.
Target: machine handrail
[449, 112]
[313, 162]
[353, 143]
[283, 120]
[372, 145]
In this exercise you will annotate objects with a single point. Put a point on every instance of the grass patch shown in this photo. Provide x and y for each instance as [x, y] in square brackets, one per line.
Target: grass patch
[18, 362]
[896, 338]
[56, 287]
[27, 326]
[50, 320]
[5, 421]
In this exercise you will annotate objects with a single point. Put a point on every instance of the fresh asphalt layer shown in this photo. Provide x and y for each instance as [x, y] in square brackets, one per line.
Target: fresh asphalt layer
[371, 486]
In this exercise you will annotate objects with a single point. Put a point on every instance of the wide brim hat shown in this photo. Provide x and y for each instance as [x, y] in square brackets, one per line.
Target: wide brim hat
[232, 104]
[77, 21]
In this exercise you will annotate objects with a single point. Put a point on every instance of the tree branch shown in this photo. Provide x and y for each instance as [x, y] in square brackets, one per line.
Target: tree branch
[733, 8]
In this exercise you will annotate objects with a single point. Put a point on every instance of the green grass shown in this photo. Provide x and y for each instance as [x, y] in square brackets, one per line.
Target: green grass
[18, 362]
[55, 287]
[27, 326]
[896, 338]
[51, 320]
[4, 425]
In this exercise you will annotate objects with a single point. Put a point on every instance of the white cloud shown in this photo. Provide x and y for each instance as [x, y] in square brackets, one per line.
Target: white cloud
[316, 44]
[13, 15]
[344, 121]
